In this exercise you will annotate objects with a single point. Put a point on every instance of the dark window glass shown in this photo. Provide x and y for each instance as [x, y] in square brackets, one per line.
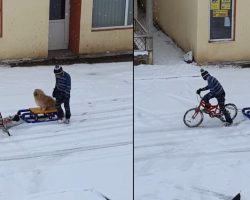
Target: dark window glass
[108, 13]
[221, 20]
[57, 9]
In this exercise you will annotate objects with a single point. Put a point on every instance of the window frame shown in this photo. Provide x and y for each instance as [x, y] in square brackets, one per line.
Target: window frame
[1, 18]
[232, 28]
[125, 26]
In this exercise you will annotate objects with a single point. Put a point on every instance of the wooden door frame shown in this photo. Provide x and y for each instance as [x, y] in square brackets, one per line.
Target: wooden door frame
[1, 18]
[74, 25]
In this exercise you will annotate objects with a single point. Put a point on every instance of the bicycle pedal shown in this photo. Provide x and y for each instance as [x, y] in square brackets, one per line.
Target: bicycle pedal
[205, 111]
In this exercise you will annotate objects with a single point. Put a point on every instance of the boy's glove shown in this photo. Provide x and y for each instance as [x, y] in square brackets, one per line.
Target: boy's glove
[198, 91]
[55, 92]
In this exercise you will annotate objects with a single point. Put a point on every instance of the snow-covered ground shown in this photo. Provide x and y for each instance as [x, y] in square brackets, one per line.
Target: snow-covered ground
[172, 161]
[90, 157]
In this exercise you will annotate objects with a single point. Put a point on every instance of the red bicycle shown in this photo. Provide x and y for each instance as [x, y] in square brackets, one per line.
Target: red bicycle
[194, 116]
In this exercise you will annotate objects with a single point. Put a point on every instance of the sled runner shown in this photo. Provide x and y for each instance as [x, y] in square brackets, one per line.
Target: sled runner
[237, 197]
[246, 112]
[31, 115]
[35, 115]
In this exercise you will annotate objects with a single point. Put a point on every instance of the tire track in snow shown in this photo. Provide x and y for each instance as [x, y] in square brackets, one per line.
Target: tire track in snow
[167, 142]
[105, 127]
[65, 140]
[95, 123]
[64, 151]
[180, 155]
[166, 78]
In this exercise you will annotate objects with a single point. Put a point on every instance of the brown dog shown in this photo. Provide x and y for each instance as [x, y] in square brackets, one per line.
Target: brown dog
[43, 101]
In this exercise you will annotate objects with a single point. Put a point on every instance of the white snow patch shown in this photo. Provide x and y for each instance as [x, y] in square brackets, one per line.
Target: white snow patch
[90, 156]
[175, 162]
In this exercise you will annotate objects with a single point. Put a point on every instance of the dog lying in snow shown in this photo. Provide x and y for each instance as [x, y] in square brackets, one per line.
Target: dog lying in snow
[43, 101]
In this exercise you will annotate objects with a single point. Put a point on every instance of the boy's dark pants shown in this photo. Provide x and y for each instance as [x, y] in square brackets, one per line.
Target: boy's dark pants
[221, 103]
[60, 113]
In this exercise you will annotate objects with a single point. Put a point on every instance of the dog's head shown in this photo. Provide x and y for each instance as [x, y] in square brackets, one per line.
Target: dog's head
[38, 93]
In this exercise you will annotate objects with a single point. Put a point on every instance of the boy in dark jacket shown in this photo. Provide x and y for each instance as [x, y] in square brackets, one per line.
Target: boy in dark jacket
[216, 91]
[62, 93]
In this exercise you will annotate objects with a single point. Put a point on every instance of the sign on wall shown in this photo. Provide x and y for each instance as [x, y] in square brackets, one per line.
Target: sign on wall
[220, 13]
[214, 4]
[225, 4]
[221, 19]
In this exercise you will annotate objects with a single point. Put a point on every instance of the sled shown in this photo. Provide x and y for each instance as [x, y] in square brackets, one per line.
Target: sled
[36, 115]
[246, 112]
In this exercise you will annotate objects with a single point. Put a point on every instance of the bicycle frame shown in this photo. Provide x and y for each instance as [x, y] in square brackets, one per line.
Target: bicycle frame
[212, 111]
[194, 116]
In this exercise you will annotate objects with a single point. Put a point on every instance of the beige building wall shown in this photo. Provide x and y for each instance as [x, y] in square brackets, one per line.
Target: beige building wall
[178, 18]
[26, 24]
[103, 40]
[238, 50]
[25, 29]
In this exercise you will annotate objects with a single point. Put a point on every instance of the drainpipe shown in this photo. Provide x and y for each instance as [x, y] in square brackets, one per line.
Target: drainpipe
[135, 9]
[149, 22]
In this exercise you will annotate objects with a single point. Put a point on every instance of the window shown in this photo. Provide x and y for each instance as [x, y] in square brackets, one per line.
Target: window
[222, 18]
[57, 9]
[1, 19]
[112, 13]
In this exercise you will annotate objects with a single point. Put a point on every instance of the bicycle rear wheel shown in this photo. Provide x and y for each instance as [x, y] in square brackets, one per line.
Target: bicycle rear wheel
[232, 110]
[193, 118]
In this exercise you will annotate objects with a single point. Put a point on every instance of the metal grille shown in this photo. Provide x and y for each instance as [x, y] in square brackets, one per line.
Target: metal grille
[142, 42]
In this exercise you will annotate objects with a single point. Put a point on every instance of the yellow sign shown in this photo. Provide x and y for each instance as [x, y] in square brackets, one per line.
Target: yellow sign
[214, 4]
[220, 13]
[226, 4]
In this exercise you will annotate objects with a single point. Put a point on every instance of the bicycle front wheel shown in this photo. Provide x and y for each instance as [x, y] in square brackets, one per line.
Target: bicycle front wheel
[193, 118]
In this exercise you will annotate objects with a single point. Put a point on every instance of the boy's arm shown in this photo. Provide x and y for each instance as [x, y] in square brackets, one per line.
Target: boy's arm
[202, 89]
[205, 88]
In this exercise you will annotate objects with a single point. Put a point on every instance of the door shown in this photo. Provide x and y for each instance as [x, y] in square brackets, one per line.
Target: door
[59, 24]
